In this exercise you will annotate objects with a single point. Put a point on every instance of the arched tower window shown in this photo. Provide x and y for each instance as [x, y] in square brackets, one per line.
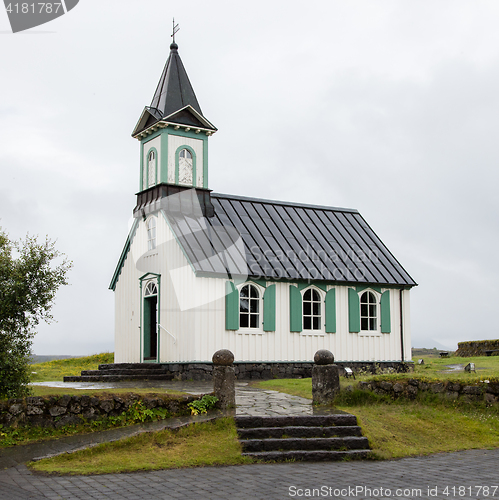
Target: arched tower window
[151, 233]
[312, 313]
[249, 307]
[368, 312]
[151, 169]
[185, 167]
[151, 289]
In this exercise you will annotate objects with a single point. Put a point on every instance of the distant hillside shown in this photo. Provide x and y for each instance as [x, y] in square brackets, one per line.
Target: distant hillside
[41, 359]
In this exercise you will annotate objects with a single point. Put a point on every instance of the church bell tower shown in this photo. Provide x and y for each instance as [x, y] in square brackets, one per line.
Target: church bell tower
[173, 135]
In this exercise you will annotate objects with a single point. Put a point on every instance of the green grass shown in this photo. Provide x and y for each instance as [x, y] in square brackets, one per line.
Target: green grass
[52, 371]
[487, 367]
[401, 430]
[429, 424]
[204, 444]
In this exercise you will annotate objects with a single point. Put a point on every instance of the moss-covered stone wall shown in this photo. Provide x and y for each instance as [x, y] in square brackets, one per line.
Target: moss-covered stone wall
[477, 348]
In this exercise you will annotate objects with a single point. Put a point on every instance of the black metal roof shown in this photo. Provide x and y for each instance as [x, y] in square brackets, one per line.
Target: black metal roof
[174, 94]
[174, 90]
[290, 241]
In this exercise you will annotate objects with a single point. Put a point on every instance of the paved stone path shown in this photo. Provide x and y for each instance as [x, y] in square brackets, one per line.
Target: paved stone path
[463, 473]
[347, 480]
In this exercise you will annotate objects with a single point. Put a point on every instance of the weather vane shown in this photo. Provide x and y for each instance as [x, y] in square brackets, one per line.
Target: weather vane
[175, 29]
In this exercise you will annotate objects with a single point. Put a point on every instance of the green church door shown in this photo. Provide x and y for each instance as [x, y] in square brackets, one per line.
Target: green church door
[150, 325]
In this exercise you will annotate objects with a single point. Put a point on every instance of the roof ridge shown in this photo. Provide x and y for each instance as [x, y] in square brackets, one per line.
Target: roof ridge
[282, 203]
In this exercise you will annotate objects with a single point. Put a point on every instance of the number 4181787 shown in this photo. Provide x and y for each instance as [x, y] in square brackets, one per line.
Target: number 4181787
[40, 8]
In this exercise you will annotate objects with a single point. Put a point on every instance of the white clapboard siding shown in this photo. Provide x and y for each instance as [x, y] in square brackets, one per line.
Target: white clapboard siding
[192, 309]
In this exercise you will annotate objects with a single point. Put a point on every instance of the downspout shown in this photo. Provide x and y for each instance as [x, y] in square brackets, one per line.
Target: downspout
[401, 326]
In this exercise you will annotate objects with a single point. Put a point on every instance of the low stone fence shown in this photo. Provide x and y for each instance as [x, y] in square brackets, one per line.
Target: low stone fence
[247, 370]
[488, 392]
[476, 348]
[58, 411]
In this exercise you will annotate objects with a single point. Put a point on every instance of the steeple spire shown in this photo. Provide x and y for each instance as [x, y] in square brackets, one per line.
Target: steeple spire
[174, 100]
[174, 90]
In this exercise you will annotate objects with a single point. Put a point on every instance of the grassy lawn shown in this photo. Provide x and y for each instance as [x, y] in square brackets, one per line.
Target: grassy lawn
[428, 425]
[211, 443]
[436, 368]
[395, 429]
[52, 371]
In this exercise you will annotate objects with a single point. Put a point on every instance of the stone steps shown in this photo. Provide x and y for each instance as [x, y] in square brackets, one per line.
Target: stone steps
[303, 437]
[300, 431]
[309, 456]
[124, 372]
[118, 372]
[117, 378]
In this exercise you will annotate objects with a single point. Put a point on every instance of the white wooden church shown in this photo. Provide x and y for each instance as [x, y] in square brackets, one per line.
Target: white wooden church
[269, 280]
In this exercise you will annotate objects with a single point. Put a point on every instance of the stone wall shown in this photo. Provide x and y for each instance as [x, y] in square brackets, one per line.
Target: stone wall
[477, 348]
[488, 392]
[58, 411]
[255, 371]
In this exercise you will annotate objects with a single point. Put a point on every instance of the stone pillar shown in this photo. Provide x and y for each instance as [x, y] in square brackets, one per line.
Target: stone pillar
[325, 378]
[224, 378]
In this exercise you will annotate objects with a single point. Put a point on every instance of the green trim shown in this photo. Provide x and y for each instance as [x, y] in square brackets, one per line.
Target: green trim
[140, 325]
[144, 277]
[330, 305]
[359, 289]
[386, 325]
[178, 241]
[155, 167]
[164, 158]
[269, 309]
[231, 306]
[177, 160]
[295, 309]
[205, 162]
[147, 326]
[141, 182]
[124, 253]
[318, 284]
[353, 311]
[158, 333]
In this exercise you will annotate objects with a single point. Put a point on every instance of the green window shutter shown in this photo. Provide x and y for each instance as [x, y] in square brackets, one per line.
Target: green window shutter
[353, 311]
[231, 306]
[269, 309]
[295, 307]
[331, 311]
[385, 312]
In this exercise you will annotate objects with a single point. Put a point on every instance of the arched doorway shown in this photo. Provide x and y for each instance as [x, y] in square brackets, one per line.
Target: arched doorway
[150, 325]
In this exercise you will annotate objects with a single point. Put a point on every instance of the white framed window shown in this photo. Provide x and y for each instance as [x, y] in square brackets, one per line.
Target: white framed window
[312, 310]
[151, 289]
[151, 233]
[151, 169]
[185, 167]
[369, 314]
[250, 309]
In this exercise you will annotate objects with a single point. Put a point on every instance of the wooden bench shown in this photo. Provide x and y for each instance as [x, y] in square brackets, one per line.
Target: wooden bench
[444, 354]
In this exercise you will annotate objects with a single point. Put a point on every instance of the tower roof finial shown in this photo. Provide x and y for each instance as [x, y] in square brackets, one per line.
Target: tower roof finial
[175, 30]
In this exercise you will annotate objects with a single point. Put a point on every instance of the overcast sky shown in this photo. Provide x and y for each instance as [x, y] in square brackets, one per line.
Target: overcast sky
[390, 107]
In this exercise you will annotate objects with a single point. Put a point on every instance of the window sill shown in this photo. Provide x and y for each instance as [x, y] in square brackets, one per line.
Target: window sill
[313, 333]
[250, 331]
[372, 333]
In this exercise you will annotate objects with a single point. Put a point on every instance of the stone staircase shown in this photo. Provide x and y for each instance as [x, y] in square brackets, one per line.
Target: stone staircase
[116, 372]
[304, 437]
